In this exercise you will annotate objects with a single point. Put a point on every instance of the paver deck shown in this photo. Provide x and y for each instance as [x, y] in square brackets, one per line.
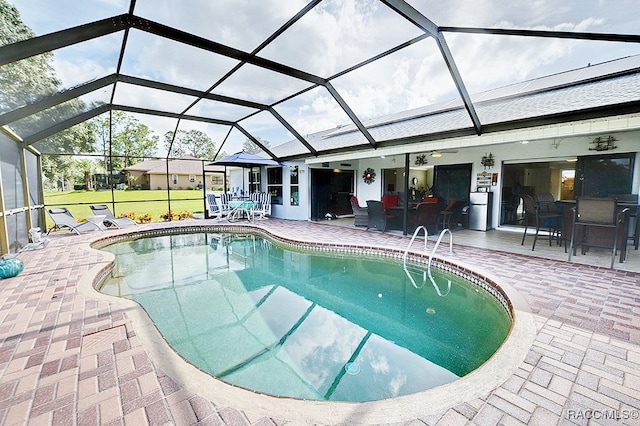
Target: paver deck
[68, 358]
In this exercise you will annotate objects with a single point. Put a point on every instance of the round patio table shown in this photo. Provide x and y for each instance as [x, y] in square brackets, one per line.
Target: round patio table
[241, 209]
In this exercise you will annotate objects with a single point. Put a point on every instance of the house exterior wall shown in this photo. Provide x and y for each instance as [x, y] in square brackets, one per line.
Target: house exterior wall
[137, 178]
[159, 181]
[550, 143]
[303, 210]
[238, 181]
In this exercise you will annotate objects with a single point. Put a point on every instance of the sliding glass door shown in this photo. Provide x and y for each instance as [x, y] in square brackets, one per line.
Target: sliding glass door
[601, 175]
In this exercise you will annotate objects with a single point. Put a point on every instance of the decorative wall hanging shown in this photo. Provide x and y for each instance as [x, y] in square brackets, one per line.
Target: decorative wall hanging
[603, 144]
[369, 176]
[421, 160]
[487, 161]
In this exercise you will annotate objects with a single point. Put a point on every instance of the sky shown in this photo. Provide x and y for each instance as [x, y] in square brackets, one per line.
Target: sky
[335, 35]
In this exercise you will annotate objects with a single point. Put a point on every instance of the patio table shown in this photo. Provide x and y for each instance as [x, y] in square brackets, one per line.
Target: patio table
[241, 209]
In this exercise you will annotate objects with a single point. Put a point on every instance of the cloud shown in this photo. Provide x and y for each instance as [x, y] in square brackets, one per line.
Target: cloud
[488, 61]
[396, 384]
[380, 364]
[240, 24]
[335, 35]
[78, 71]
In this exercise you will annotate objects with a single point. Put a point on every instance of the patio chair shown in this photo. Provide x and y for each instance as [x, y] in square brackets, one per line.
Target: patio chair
[215, 210]
[630, 201]
[62, 218]
[262, 206]
[427, 215]
[452, 212]
[546, 202]
[377, 216]
[360, 214]
[603, 225]
[390, 201]
[225, 197]
[109, 218]
[543, 217]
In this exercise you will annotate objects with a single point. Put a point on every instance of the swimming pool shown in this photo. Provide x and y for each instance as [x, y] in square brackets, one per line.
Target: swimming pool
[307, 324]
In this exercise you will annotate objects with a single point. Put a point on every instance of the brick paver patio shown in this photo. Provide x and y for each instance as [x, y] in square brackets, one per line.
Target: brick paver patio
[67, 358]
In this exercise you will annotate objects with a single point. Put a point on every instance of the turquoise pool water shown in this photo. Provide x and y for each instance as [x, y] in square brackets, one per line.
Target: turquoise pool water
[307, 324]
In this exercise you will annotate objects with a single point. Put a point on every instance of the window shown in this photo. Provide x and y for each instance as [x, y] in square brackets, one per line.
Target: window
[192, 178]
[601, 175]
[255, 183]
[274, 184]
[295, 189]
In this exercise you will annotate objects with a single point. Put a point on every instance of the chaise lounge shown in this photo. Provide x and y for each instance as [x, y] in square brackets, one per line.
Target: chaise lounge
[62, 218]
[109, 218]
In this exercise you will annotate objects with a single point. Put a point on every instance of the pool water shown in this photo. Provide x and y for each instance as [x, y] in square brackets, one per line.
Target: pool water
[307, 324]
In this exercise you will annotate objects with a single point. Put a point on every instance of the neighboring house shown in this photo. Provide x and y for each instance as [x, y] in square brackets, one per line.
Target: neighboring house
[183, 173]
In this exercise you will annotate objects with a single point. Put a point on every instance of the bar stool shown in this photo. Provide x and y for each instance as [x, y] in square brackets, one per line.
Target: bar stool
[598, 213]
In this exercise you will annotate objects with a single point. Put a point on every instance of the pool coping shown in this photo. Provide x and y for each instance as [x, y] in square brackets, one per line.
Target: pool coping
[486, 378]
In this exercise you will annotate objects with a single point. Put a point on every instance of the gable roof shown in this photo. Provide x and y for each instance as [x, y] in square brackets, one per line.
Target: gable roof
[182, 166]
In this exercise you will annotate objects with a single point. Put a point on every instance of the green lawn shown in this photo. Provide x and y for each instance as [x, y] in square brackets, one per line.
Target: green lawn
[78, 202]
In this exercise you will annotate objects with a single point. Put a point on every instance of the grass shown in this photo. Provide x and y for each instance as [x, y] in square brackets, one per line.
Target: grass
[78, 202]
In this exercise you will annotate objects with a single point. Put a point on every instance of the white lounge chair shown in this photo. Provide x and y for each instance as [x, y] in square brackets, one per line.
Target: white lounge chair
[109, 218]
[62, 218]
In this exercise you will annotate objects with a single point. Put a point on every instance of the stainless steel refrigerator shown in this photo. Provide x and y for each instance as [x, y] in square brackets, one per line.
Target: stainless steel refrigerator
[480, 204]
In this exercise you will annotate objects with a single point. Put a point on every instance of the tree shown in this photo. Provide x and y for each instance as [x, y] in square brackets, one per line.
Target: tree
[24, 80]
[131, 140]
[251, 147]
[29, 80]
[193, 143]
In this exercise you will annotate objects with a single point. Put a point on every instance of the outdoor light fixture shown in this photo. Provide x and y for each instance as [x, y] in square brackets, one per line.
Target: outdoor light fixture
[436, 154]
[487, 161]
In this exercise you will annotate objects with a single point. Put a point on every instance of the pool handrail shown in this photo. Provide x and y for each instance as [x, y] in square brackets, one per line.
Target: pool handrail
[427, 273]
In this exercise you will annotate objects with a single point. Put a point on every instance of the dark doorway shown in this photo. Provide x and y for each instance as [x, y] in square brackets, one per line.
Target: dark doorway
[601, 175]
[452, 182]
[553, 177]
[330, 192]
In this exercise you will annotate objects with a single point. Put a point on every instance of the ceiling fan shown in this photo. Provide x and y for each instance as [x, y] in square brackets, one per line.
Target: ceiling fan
[421, 159]
[436, 153]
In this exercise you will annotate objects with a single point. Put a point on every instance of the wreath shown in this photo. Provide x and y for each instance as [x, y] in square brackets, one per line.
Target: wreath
[369, 176]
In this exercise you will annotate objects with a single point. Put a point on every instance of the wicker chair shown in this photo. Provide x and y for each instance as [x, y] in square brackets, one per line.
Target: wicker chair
[377, 217]
[427, 215]
[361, 214]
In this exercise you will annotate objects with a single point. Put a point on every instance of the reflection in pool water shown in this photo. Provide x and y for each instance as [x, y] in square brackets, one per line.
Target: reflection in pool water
[306, 325]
